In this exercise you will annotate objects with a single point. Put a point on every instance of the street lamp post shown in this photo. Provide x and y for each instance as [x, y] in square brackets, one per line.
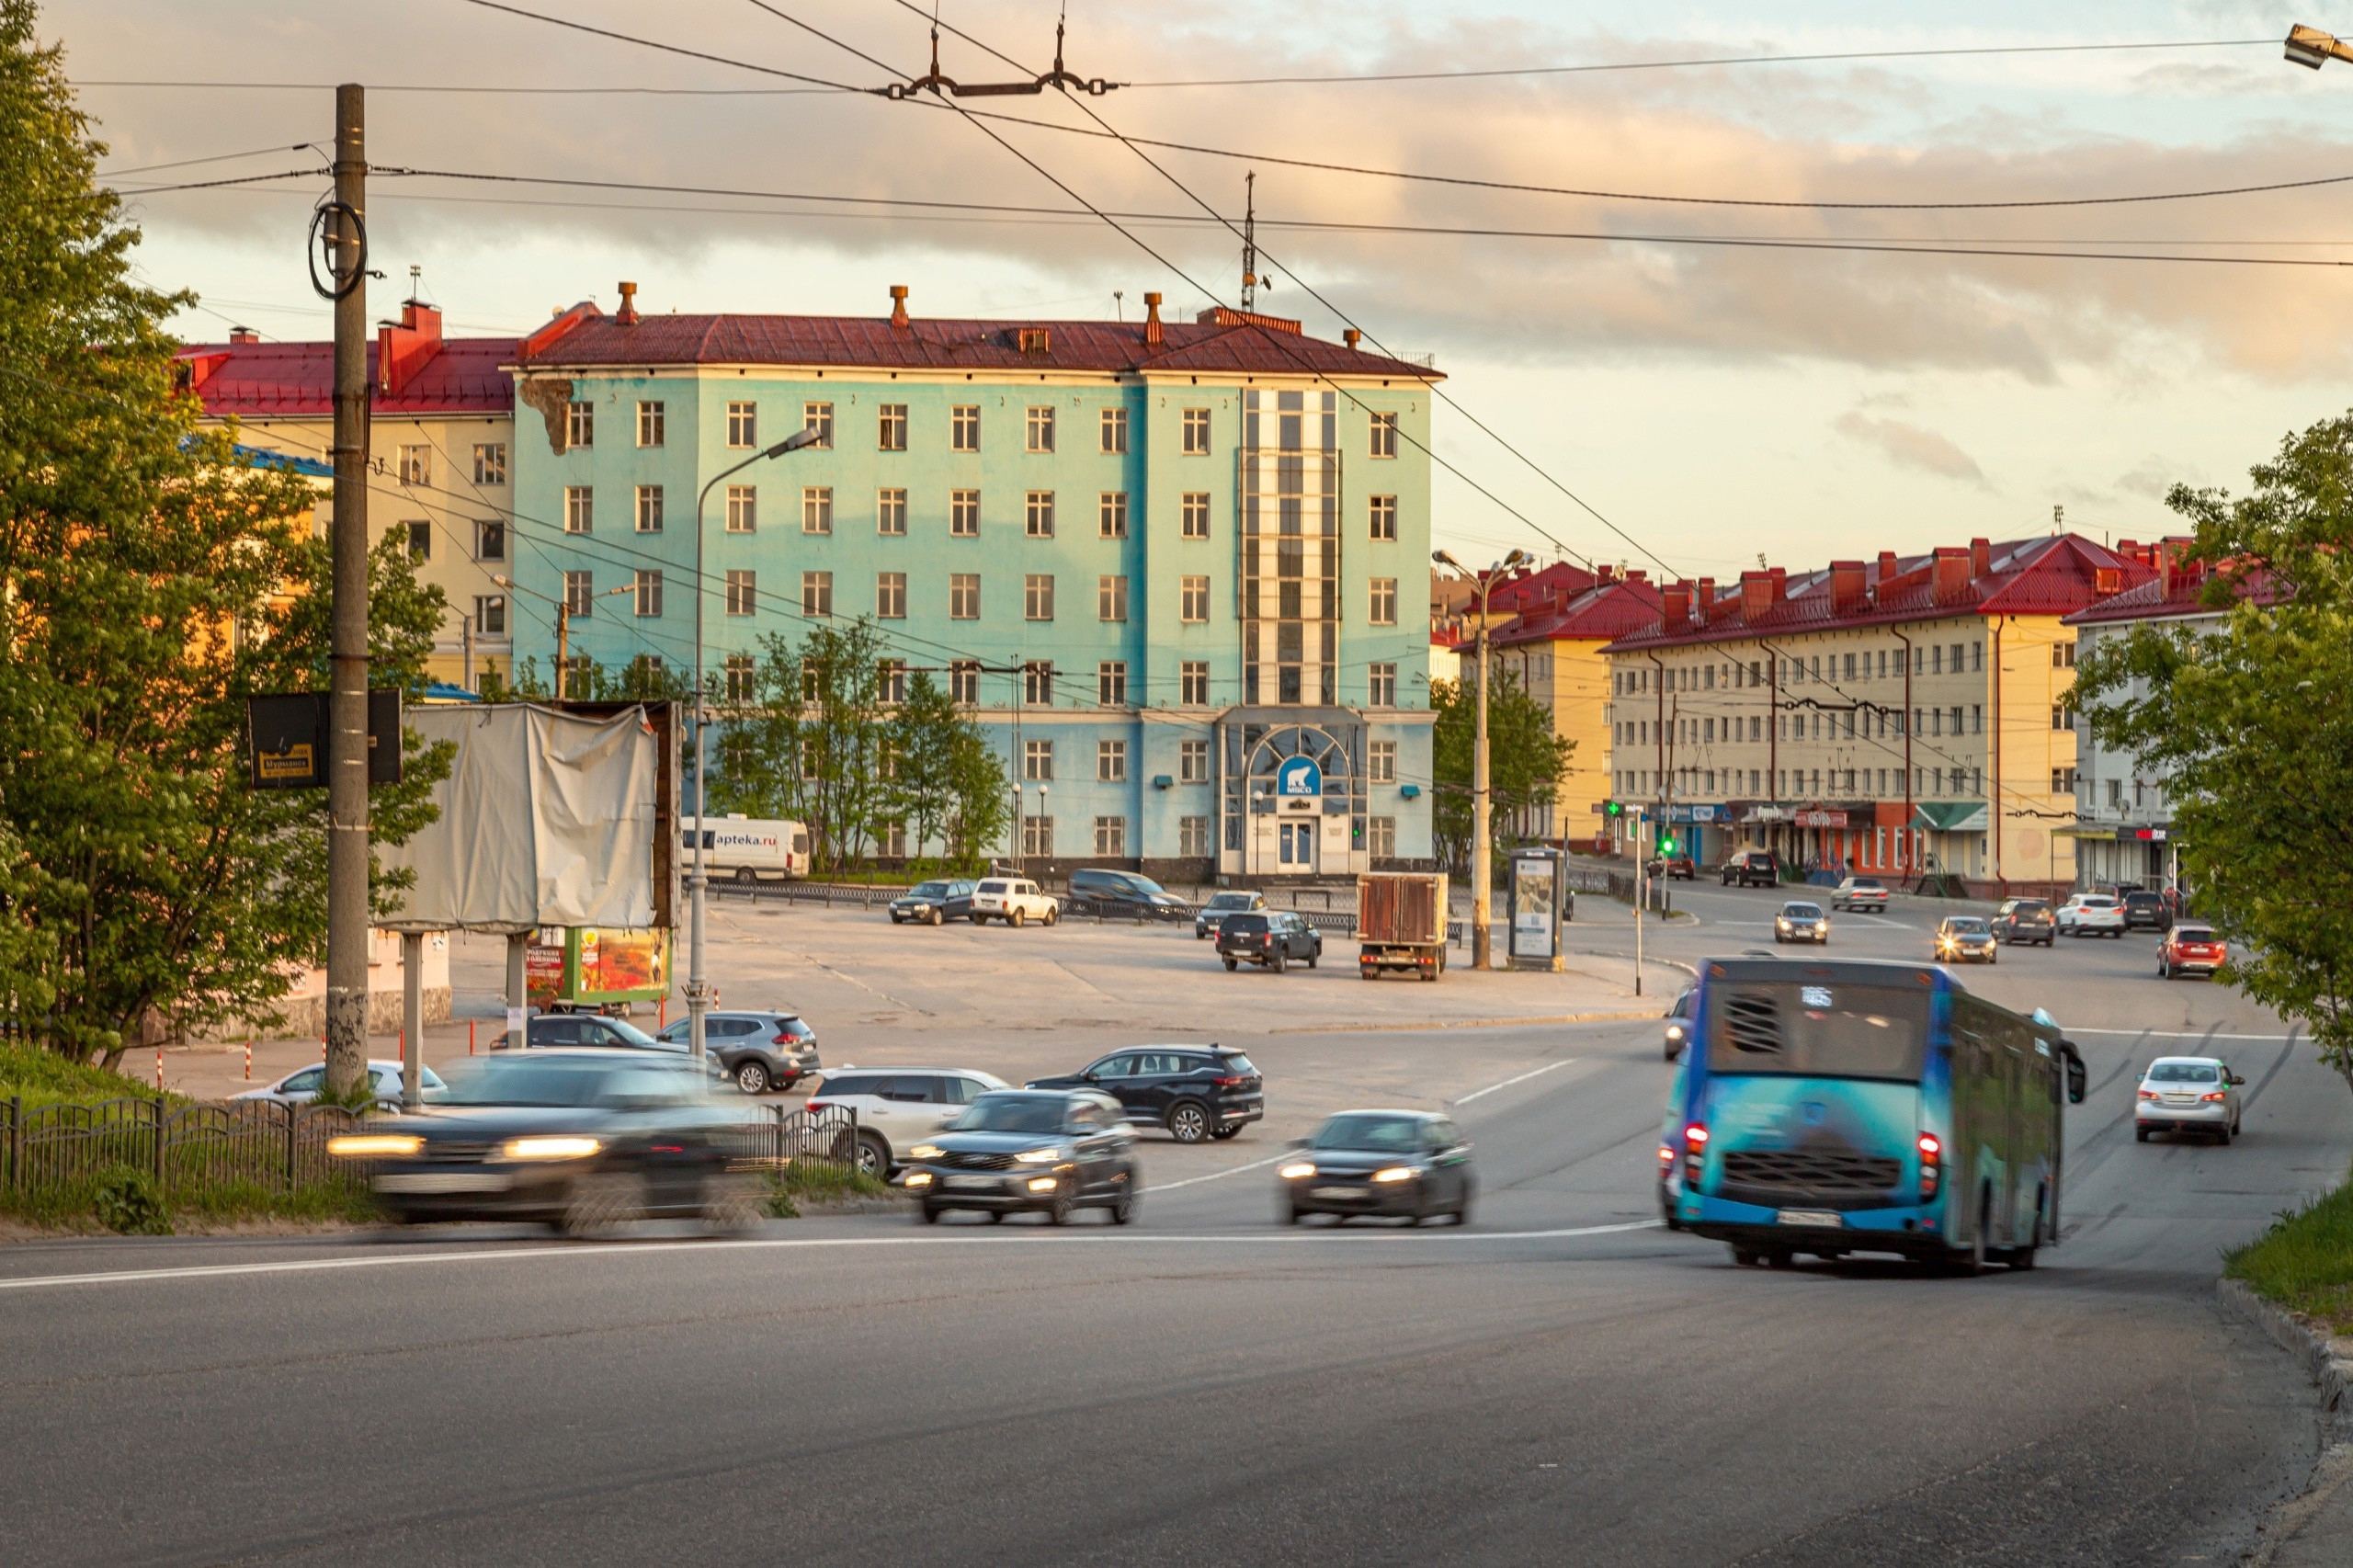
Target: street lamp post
[1482, 842]
[697, 986]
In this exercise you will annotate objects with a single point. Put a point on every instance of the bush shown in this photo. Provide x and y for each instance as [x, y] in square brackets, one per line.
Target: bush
[44, 1077]
[2304, 1261]
[819, 1184]
[129, 1202]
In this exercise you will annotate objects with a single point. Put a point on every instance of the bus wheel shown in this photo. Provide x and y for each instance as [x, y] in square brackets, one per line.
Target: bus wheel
[1744, 1258]
[1778, 1259]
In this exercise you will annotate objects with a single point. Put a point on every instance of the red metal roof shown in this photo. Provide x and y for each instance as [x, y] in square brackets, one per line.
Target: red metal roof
[2179, 590]
[1525, 590]
[289, 379]
[1600, 613]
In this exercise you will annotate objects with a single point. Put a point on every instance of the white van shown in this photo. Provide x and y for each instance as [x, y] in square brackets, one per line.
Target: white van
[748, 849]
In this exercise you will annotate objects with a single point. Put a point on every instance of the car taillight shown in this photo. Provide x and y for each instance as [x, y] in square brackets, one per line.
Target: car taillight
[1695, 1144]
[2215, 1098]
[1230, 1083]
[1932, 1153]
[817, 1104]
[1667, 1154]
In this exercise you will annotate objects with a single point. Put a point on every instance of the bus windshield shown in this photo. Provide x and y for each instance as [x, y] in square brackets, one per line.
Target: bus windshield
[1819, 1031]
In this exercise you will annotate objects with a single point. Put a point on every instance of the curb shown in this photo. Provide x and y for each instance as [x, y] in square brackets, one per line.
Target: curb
[2329, 1362]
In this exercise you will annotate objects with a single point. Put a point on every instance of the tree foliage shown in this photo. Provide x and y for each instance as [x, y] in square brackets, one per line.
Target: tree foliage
[1526, 760]
[2251, 722]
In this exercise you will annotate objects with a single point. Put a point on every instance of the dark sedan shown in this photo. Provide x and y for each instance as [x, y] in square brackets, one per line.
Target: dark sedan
[1274, 939]
[584, 1139]
[932, 903]
[1028, 1151]
[1122, 896]
[1213, 912]
[1411, 1164]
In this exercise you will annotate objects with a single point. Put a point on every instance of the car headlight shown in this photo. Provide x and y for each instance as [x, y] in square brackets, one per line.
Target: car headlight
[1293, 1173]
[926, 1152]
[549, 1148]
[1675, 1031]
[373, 1145]
[918, 1178]
[1041, 1156]
[1396, 1173]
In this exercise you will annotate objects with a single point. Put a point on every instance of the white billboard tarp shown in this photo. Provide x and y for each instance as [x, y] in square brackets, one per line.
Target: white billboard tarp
[547, 819]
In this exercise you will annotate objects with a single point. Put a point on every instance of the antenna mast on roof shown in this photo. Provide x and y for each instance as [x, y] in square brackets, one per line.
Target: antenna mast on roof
[1250, 239]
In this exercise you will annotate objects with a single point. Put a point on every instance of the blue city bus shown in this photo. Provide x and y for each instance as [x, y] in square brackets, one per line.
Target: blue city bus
[1855, 1107]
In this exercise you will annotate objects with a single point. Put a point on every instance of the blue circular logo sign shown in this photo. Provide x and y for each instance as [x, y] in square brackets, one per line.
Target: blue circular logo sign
[1299, 779]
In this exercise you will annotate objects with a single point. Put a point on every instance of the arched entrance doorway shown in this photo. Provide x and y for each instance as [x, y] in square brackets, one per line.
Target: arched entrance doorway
[1294, 800]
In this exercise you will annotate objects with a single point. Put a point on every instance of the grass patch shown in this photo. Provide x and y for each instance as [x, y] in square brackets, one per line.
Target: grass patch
[2304, 1261]
[43, 1078]
[797, 1184]
[124, 1199]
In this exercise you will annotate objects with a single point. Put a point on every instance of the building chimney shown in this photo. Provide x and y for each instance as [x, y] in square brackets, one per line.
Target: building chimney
[403, 350]
[1704, 605]
[1603, 572]
[1887, 569]
[1781, 579]
[627, 314]
[1674, 607]
[1351, 337]
[898, 304]
[1949, 583]
[1155, 335]
[1981, 557]
[1756, 593]
[244, 335]
[1846, 596]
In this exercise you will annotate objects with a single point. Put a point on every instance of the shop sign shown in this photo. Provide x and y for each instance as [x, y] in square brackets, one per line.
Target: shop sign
[1821, 819]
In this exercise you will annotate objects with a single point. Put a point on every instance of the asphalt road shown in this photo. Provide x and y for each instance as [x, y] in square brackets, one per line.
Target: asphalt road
[1561, 1382]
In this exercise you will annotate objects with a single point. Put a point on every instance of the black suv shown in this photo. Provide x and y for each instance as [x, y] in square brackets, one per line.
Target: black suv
[1195, 1091]
[2023, 921]
[1123, 895]
[2144, 908]
[759, 1050]
[1271, 939]
[1752, 869]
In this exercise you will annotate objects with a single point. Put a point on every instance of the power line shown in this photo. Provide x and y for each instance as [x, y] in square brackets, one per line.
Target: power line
[215, 158]
[668, 48]
[446, 88]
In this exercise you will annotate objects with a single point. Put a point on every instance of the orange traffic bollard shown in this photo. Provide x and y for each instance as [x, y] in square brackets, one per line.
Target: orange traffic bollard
[249, 1059]
[470, 1037]
[159, 1066]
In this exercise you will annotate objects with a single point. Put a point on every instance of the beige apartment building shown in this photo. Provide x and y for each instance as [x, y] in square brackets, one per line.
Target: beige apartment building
[1555, 649]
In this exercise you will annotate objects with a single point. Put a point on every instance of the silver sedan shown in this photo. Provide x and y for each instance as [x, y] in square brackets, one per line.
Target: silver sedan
[2187, 1094]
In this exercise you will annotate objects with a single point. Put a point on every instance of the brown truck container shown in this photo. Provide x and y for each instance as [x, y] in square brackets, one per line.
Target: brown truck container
[1401, 922]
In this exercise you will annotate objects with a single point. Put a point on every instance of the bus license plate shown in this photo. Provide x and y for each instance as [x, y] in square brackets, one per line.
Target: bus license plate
[1813, 1219]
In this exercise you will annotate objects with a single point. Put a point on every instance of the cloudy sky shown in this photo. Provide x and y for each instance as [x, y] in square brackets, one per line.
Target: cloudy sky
[1715, 402]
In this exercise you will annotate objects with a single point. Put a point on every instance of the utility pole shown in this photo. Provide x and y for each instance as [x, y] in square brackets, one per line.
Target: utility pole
[1482, 843]
[347, 916]
[1642, 891]
[564, 650]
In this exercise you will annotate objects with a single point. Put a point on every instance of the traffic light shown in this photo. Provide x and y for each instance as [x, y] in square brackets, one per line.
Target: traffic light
[1667, 844]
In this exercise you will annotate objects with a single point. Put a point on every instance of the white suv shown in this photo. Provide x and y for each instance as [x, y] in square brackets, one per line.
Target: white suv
[2091, 914]
[1015, 901]
[899, 1107]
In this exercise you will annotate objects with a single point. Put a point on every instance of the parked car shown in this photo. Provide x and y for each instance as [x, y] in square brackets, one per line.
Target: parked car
[1676, 868]
[899, 1106]
[759, 1049]
[2091, 914]
[2191, 950]
[1013, 899]
[1272, 939]
[930, 904]
[301, 1086]
[1801, 922]
[1859, 892]
[1752, 869]
[2143, 908]
[1205, 924]
[2187, 1094]
[585, 1140]
[2021, 921]
[555, 1030]
[1194, 1091]
[1022, 1150]
[1414, 1165]
[1678, 1023]
[1965, 938]
[1123, 895]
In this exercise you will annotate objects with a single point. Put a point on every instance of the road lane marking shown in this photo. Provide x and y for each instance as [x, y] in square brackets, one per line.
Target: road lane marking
[1507, 1082]
[623, 1249]
[2182, 1034]
[1230, 1170]
[1477, 1023]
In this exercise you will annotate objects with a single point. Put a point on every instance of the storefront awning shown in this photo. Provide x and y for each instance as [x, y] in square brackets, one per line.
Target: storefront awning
[1951, 816]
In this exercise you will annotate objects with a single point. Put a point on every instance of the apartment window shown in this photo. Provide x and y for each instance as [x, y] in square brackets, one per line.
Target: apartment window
[2060, 718]
[1038, 596]
[743, 425]
[891, 686]
[819, 416]
[1976, 657]
[742, 593]
[420, 539]
[1193, 684]
[1936, 658]
[1382, 685]
[1385, 601]
[1110, 598]
[1115, 432]
[2062, 780]
[743, 509]
[1115, 514]
[1380, 760]
[964, 682]
[1194, 599]
[1384, 435]
[743, 685]
[1195, 511]
[1038, 683]
[816, 508]
[1850, 666]
[1111, 683]
[1038, 761]
[1193, 762]
[963, 514]
[891, 512]
[964, 596]
[1037, 515]
[891, 427]
[1110, 835]
[2063, 655]
[1380, 838]
[1193, 835]
[1976, 720]
[649, 508]
[1197, 432]
[1384, 517]
[579, 510]
[1038, 837]
[579, 593]
[580, 424]
[1110, 762]
[1038, 430]
[651, 421]
[890, 596]
[964, 428]
[489, 463]
[817, 593]
[649, 593]
[490, 615]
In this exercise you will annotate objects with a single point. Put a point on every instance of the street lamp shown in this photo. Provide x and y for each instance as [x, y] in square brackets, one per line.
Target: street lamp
[2310, 48]
[1482, 845]
[697, 988]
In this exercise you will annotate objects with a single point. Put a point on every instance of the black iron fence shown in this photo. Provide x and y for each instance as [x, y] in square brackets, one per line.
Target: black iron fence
[777, 1138]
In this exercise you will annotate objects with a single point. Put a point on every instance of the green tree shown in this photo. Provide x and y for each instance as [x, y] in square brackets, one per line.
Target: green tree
[810, 745]
[1524, 760]
[2251, 722]
[150, 580]
[919, 738]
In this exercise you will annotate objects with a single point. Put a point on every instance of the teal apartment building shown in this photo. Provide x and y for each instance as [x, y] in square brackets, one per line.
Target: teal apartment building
[1176, 570]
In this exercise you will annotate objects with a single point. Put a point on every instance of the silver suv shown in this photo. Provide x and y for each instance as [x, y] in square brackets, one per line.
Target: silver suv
[898, 1108]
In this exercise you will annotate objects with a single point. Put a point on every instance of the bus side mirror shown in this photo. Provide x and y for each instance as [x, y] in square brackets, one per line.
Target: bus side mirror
[2075, 1072]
